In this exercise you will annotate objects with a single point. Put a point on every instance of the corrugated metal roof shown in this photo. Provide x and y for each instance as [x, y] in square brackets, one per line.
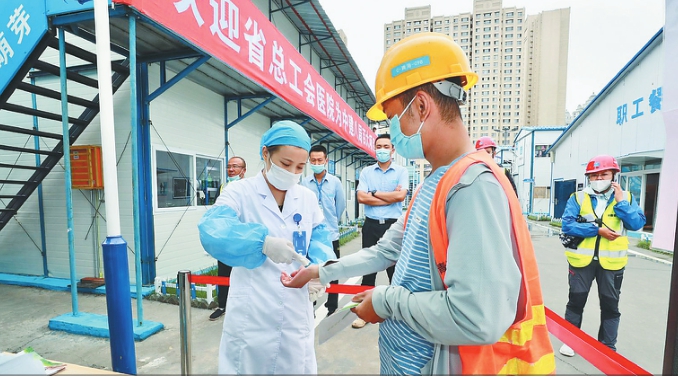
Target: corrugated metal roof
[155, 43]
[310, 18]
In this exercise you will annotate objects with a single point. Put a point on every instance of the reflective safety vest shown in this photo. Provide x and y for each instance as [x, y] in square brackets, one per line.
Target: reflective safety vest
[611, 254]
[525, 348]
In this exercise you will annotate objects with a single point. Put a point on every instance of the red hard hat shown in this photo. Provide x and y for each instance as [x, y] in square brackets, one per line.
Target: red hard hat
[485, 142]
[602, 163]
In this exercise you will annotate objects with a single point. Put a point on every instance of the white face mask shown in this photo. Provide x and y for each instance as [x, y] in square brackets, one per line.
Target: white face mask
[600, 186]
[280, 178]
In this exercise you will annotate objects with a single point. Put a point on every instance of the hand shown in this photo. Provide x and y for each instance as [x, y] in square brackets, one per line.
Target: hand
[365, 310]
[300, 277]
[618, 193]
[316, 289]
[398, 188]
[607, 233]
[279, 250]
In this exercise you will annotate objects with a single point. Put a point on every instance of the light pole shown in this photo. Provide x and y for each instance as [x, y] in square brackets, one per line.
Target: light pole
[505, 130]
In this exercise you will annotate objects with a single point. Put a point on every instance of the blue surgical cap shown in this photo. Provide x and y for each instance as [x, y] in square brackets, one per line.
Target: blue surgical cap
[285, 132]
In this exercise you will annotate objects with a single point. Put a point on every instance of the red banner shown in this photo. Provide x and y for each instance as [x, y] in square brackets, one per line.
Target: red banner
[237, 33]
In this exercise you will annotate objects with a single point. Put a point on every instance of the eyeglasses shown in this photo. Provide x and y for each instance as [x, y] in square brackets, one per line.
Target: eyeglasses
[234, 167]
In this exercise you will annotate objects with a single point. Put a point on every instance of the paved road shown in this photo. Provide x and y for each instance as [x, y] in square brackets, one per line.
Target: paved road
[25, 313]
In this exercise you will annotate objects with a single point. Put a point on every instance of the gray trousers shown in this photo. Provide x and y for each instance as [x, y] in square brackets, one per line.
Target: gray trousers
[609, 289]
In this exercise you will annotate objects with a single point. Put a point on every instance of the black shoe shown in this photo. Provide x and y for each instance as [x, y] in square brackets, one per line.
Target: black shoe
[331, 311]
[217, 314]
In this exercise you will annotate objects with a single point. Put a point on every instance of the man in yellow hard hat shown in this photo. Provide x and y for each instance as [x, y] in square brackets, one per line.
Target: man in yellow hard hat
[466, 285]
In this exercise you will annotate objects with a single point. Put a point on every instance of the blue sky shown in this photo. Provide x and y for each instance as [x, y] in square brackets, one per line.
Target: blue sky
[602, 38]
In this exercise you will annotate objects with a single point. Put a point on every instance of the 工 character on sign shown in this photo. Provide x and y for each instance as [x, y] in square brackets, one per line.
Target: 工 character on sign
[638, 112]
[277, 66]
[183, 5]
[18, 22]
[256, 42]
[226, 18]
[293, 84]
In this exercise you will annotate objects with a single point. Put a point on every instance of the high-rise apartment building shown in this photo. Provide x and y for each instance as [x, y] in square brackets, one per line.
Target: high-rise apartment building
[545, 41]
[496, 41]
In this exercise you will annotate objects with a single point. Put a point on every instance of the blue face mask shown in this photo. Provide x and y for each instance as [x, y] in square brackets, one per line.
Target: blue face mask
[383, 155]
[406, 146]
[317, 169]
[233, 178]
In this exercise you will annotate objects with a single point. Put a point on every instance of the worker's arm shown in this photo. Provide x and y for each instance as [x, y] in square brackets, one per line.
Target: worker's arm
[366, 261]
[570, 226]
[482, 274]
[367, 198]
[392, 196]
[630, 214]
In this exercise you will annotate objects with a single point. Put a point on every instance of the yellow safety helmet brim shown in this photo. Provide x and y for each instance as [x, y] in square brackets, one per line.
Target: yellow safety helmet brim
[416, 60]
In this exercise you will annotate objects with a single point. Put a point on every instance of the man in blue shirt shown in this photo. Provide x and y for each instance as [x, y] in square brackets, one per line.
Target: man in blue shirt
[332, 202]
[382, 189]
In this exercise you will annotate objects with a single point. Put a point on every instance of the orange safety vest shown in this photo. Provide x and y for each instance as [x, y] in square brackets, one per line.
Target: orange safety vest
[525, 348]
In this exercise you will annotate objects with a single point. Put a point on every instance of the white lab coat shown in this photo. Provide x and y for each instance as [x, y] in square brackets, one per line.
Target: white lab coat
[268, 328]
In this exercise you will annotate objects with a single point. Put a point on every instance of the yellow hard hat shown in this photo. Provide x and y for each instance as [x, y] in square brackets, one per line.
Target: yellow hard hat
[416, 60]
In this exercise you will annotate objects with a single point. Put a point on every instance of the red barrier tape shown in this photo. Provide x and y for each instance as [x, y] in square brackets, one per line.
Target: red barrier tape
[599, 355]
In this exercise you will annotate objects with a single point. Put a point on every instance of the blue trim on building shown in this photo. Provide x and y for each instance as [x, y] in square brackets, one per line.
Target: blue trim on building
[608, 87]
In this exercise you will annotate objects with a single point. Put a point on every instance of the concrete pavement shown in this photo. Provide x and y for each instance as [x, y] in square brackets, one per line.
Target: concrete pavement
[25, 313]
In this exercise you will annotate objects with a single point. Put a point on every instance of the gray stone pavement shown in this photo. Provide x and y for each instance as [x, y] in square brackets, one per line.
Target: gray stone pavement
[25, 313]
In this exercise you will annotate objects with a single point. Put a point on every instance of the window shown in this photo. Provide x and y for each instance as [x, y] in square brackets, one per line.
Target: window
[509, 28]
[540, 150]
[416, 29]
[543, 192]
[184, 180]
[408, 23]
[209, 178]
[509, 14]
[509, 21]
[509, 35]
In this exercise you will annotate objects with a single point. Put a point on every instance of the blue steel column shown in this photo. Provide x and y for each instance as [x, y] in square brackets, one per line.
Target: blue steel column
[116, 268]
[41, 210]
[134, 114]
[67, 170]
[145, 176]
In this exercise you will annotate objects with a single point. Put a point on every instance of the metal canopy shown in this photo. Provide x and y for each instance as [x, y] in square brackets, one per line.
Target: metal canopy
[311, 20]
[157, 44]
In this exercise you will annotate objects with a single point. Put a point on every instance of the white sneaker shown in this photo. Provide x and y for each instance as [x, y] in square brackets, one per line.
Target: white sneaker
[566, 350]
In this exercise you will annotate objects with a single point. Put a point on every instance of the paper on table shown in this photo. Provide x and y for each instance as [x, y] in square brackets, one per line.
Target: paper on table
[20, 364]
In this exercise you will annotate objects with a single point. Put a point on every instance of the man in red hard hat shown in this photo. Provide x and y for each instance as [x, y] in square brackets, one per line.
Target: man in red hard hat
[486, 143]
[600, 214]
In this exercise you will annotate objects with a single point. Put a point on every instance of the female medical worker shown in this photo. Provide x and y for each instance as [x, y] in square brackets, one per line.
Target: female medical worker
[261, 226]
